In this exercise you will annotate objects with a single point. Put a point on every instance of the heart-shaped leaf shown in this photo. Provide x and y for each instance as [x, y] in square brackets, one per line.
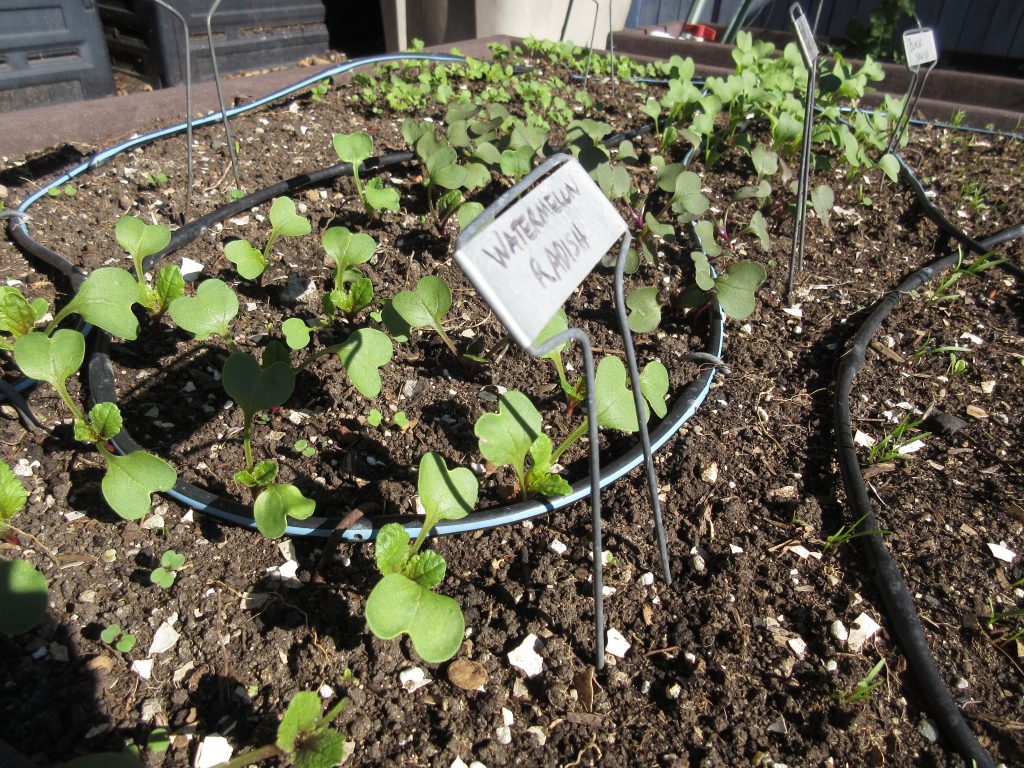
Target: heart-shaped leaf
[276, 503]
[301, 718]
[17, 316]
[427, 305]
[379, 197]
[346, 250]
[391, 548]
[105, 299]
[615, 407]
[505, 437]
[363, 354]
[50, 358]
[141, 239]
[822, 198]
[249, 261]
[654, 386]
[353, 147]
[173, 560]
[736, 288]
[12, 495]
[296, 333]
[702, 271]
[253, 387]
[285, 221]
[130, 480]
[644, 309]
[445, 494]
[23, 596]
[759, 228]
[208, 313]
[468, 212]
[433, 622]
[706, 237]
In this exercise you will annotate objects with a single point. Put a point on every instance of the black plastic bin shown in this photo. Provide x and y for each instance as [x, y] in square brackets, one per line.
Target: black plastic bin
[248, 34]
[51, 51]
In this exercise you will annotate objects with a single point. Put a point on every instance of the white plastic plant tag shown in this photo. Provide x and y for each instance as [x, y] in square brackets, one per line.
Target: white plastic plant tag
[919, 45]
[535, 253]
[804, 35]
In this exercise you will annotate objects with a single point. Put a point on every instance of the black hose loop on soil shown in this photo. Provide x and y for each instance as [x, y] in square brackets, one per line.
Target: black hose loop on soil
[899, 604]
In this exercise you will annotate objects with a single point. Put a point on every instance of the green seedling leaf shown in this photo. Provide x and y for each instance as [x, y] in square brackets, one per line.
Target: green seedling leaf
[158, 740]
[706, 237]
[478, 176]
[652, 109]
[374, 418]
[130, 481]
[664, 231]
[427, 305]
[353, 147]
[426, 568]
[262, 475]
[766, 162]
[702, 271]
[615, 407]
[613, 180]
[50, 358]
[276, 503]
[401, 420]
[105, 299]
[249, 262]
[23, 594]
[890, 166]
[12, 495]
[759, 228]
[443, 170]
[644, 309]
[468, 212]
[103, 423]
[654, 386]
[505, 437]
[162, 577]
[275, 352]
[141, 239]
[627, 152]
[347, 250]
[126, 643]
[255, 388]
[396, 325]
[433, 622]
[17, 316]
[822, 198]
[540, 480]
[516, 163]
[296, 333]
[301, 718]
[208, 313]
[172, 560]
[391, 548]
[445, 494]
[285, 221]
[379, 197]
[169, 285]
[363, 354]
[111, 633]
[762, 191]
[687, 199]
[736, 288]
[321, 750]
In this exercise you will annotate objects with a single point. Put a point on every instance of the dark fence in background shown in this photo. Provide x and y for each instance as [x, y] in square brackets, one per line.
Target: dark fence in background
[993, 28]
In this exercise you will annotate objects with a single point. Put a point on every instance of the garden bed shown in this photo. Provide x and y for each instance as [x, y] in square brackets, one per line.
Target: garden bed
[737, 662]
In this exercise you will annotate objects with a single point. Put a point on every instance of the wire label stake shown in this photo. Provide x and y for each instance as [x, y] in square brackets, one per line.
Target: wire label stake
[919, 45]
[809, 51]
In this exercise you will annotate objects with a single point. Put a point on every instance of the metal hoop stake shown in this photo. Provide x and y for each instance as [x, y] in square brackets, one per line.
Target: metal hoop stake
[220, 93]
[638, 403]
[809, 51]
[188, 103]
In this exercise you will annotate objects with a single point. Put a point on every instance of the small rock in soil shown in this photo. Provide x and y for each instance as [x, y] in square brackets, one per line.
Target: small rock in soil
[413, 679]
[617, 644]
[864, 627]
[928, 730]
[467, 674]
[525, 657]
[165, 637]
[213, 749]
[1001, 552]
[143, 668]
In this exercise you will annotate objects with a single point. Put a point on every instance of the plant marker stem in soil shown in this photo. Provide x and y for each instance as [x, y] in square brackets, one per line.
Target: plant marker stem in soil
[809, 51]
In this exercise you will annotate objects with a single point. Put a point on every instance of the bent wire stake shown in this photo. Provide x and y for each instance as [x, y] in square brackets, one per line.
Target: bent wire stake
[590, 48]
[921, 50]
[809, 52]
[188, 102]
[527, 264]
[220, 94]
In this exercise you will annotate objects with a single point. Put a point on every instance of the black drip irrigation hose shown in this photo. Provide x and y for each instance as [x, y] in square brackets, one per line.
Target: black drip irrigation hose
[102, 386]
[899, 604]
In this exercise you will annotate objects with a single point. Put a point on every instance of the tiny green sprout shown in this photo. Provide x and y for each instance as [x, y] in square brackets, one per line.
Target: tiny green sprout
[847, 533]
[318, 91]
[403, 601]
[13, 496]
[118, 639]
[158, 179]
[158, 740]
[957, 365]
[23, 594]
[355, 148]
[865, 686]
[823, 200]
[68, 190]
[170, 563]
[235, 193]
[644, 309]
[304, 448]
[896, 442]
[142, 240]
[284, 222]
[401, 420]
[944, 292]
[352, 291]
[375, 417]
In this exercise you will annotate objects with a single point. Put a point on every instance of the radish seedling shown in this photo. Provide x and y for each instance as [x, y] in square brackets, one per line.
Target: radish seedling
[426, 307]
[119, 640]
[352, 291]
[354, 148]
[170, 563]
[403, 601]
[284, 222]
[142, 240]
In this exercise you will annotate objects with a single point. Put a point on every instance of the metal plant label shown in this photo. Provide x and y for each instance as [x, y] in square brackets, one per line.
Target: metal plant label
[528, 257]
[919, 45]
[804, 35]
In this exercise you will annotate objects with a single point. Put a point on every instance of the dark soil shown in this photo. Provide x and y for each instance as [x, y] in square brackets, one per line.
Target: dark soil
[739, 662]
